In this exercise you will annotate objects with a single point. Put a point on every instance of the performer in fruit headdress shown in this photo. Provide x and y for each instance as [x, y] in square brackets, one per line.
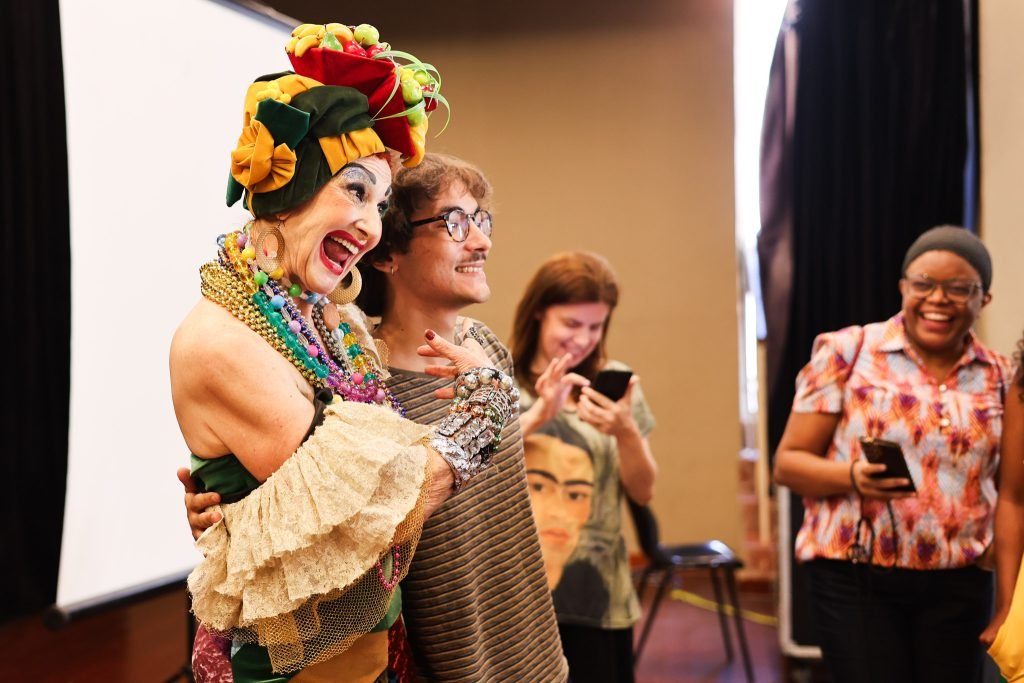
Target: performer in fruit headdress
[281, 394]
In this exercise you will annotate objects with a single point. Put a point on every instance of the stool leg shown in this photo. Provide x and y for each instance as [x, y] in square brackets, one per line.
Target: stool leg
[641, 585]
[722, 621]
[662, 587]
[730, 582]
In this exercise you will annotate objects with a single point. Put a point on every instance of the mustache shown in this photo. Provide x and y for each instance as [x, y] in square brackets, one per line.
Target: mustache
[476, 257]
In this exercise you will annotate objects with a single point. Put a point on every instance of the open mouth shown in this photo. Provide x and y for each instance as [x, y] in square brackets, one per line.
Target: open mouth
[338, 250]
[470, 268]
[935, 321]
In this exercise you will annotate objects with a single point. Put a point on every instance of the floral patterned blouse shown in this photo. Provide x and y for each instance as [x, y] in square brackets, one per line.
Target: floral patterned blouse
[949, 432]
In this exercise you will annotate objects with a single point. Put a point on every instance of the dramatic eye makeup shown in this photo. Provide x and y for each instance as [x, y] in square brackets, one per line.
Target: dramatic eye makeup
[357, 179]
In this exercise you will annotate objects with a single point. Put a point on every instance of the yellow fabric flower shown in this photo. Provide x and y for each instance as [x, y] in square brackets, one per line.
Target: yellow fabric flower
[257, 164]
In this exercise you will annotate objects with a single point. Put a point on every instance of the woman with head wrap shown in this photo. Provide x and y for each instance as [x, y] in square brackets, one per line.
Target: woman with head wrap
[894, 574]
[280, 392]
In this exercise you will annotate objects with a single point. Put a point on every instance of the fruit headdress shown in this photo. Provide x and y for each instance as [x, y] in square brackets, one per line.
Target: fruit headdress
[350, 96]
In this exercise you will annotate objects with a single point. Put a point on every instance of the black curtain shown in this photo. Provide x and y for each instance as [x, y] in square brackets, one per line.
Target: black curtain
[875, 154]
[35, 264]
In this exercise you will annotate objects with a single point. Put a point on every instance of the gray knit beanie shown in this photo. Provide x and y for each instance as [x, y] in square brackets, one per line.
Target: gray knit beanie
[958, 240]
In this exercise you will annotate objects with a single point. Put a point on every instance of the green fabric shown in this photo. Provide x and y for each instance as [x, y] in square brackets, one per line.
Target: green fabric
[225, 475]
[251, 664]
[287, 124]
[235, 190]
[330, 110]
[394, 611]
[334, 110]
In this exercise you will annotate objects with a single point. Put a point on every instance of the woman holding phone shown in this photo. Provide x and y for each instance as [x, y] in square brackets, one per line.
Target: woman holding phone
[558, 350]
[894, 575]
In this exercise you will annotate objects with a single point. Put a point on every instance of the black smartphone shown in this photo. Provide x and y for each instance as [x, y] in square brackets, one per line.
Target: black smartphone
[890, 454]
[612, 383]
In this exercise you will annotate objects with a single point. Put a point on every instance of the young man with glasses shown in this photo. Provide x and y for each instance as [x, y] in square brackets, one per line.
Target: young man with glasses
[476, 602]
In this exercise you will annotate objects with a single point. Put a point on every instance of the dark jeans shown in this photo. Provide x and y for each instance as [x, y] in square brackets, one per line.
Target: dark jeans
[901, 625]
[598, 655]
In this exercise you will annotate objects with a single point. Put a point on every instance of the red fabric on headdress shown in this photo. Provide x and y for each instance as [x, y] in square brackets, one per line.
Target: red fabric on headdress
[375, 78]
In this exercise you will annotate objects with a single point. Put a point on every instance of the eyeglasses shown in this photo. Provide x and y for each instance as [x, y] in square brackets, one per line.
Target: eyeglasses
[457, 222]
[957, 291]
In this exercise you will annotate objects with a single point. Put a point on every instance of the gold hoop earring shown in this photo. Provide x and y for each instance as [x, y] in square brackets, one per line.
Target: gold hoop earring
[270, 263]
[346, 294]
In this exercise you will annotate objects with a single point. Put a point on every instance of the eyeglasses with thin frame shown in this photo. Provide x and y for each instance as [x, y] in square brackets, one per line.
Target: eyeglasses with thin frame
[956, 290]
[457, 222]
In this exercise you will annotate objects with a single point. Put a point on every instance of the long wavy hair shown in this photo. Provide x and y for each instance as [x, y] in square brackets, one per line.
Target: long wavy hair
[572, 277]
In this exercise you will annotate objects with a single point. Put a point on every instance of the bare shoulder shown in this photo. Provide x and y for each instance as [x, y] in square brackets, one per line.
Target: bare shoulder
[212, 347]
[208, 338]
[223, 377]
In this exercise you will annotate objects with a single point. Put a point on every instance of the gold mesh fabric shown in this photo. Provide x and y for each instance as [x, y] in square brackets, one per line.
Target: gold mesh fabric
[326, 626]
[293, 566]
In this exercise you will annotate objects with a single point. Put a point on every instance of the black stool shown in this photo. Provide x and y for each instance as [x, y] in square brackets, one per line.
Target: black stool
[713, 555]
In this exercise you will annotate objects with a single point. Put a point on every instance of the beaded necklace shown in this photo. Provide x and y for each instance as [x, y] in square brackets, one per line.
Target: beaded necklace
[236, 282]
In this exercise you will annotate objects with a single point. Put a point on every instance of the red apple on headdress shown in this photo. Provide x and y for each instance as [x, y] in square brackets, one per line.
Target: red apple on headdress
[354, 48]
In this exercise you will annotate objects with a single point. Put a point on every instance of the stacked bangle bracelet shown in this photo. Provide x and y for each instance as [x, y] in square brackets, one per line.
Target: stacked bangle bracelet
[485, 398]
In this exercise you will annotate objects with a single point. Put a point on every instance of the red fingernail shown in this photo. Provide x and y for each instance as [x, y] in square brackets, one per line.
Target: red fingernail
[429, 334]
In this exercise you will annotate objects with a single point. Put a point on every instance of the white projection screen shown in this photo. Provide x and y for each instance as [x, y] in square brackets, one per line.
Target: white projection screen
[154, 94]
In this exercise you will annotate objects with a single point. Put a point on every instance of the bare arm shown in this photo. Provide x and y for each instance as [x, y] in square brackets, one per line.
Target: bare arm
[1009, 517]
[237, 396]
[801, 465]
[637, 467]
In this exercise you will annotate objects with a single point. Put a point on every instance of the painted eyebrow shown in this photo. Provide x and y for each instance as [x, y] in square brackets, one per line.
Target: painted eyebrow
[353, 166]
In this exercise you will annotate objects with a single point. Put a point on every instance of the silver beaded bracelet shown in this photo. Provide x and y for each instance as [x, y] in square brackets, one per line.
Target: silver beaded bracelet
[485, 398]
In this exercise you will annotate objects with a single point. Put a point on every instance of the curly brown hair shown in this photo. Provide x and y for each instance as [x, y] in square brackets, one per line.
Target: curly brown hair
[411, 188]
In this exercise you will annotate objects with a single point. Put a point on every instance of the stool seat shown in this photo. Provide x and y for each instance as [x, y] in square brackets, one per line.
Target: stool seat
[689, 555]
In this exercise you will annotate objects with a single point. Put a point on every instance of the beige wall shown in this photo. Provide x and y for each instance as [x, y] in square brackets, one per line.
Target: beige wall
[617, 137]
[1002, 167]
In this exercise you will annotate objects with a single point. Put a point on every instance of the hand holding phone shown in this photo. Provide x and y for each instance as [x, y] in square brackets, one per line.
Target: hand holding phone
[612, 383]
[610, 414]
[890, 454]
